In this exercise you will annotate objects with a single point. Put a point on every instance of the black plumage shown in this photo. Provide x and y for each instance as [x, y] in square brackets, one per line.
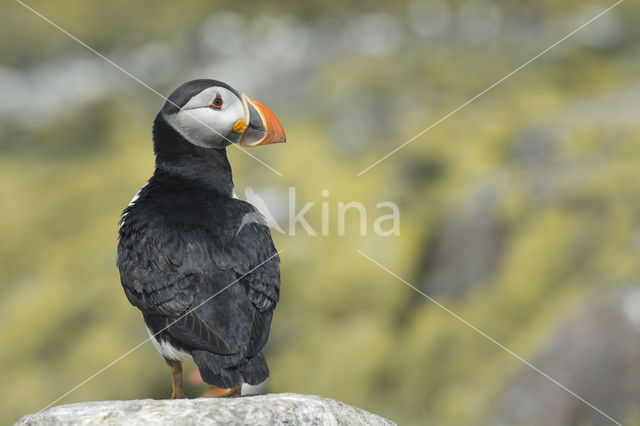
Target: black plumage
[205, 281]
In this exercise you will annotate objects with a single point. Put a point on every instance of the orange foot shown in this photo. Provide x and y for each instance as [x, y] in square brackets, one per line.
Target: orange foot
[216, 392]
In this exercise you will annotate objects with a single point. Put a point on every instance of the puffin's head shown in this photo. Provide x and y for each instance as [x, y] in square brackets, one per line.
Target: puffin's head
[212, 114]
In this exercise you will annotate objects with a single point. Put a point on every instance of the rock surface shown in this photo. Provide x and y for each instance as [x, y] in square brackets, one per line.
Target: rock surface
[273, 409]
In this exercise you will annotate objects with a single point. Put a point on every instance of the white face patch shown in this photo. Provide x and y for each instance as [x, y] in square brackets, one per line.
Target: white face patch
[205, 126]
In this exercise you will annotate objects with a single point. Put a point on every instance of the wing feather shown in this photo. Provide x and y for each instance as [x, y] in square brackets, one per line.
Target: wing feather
[167, 269]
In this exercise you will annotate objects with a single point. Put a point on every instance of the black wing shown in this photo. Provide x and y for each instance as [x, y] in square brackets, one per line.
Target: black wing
[224, 275]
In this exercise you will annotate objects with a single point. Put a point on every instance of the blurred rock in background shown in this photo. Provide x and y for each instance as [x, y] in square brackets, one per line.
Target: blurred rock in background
[592, 352]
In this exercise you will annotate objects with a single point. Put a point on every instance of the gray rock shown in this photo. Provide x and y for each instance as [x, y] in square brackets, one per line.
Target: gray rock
[594, 352]
[272, 409]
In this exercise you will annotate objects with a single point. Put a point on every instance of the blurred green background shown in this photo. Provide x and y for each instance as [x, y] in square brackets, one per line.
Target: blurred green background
[520, 213]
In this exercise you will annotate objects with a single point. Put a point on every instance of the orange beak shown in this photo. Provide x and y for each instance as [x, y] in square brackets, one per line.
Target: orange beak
[263, 127]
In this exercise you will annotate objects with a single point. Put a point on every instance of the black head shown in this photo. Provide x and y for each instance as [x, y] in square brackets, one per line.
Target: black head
[179, 97]
[212, 114]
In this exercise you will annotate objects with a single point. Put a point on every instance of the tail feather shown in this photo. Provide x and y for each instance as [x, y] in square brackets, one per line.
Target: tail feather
[223, 370]
[217, 370]
[255, 370]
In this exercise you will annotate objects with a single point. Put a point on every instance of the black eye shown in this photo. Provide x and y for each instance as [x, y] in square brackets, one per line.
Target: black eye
[217, 102]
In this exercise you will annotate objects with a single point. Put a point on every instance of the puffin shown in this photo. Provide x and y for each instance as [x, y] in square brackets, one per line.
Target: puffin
[198, 262]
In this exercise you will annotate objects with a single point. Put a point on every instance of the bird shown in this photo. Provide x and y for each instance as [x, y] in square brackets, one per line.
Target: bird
[205, 279]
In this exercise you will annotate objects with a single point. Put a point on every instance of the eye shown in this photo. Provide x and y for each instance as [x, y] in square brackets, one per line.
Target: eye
[217, 102]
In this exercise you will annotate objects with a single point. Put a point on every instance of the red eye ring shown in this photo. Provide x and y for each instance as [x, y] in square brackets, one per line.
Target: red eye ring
[217, 102]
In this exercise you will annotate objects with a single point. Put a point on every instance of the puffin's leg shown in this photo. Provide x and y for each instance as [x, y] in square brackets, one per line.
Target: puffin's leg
[176, 379]
[216, 392]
